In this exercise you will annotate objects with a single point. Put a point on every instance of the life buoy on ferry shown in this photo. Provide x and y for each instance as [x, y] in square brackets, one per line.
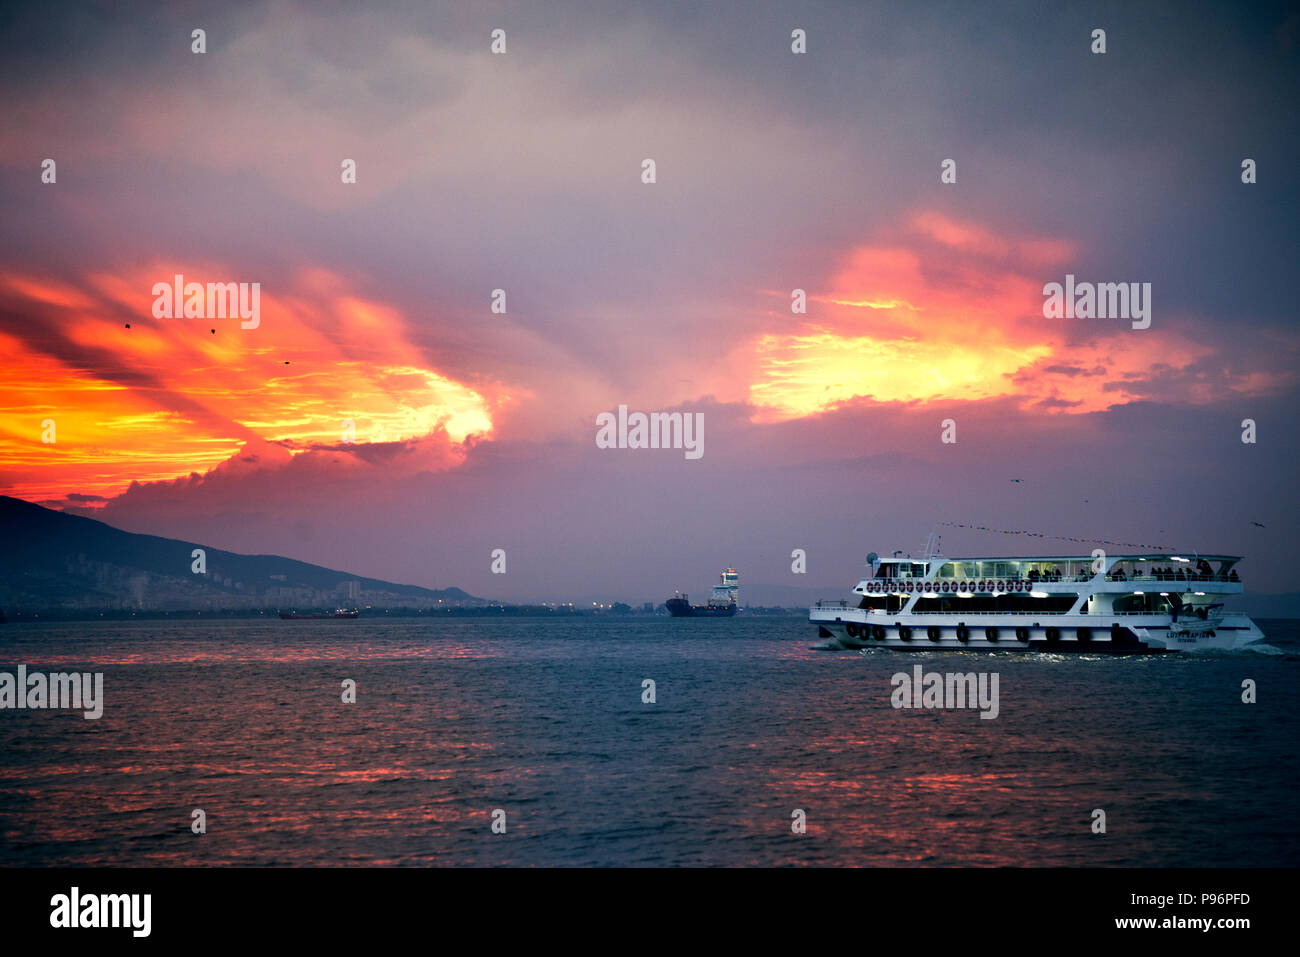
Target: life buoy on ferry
[990, 634]
[932, 632]
[878, 632]
[1002, 586]
[904, 633]
[1022, 633]
[963, 633]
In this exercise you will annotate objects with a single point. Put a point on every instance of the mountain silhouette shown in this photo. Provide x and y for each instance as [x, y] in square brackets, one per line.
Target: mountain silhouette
[51, 559]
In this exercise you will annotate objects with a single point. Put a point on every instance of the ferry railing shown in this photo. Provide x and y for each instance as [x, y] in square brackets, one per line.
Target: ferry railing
[1071, 580]
[1189, 577]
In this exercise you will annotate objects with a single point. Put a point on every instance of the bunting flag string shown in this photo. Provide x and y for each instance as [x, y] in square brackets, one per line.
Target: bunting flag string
[1058, 538]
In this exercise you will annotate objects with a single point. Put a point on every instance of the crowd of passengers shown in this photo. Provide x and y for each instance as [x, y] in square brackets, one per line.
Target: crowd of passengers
[1170, 573]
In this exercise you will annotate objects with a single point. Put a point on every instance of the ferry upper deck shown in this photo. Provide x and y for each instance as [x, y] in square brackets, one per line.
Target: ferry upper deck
[1062, 568]
[1060, 584]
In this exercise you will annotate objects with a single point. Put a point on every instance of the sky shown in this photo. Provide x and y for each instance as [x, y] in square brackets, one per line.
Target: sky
[775, 171]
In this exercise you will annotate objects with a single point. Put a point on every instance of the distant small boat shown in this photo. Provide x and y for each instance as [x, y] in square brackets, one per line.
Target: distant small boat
[722, 603]
[337, 613]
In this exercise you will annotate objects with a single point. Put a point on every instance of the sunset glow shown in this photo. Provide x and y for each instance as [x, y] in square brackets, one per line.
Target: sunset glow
[167, 397]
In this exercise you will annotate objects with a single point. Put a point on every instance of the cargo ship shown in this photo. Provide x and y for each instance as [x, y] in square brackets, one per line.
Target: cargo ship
[337, 613]
[1125, 604]
[721, 604]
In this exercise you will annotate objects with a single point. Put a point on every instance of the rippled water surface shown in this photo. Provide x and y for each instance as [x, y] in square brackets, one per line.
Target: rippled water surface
[544, 719]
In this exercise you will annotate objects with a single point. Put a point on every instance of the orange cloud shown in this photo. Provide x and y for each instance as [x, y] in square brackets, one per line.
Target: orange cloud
[949, 310]
[169, 397]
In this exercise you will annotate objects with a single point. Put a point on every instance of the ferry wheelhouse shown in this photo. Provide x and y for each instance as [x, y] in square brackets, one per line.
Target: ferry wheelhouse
[1119, 603]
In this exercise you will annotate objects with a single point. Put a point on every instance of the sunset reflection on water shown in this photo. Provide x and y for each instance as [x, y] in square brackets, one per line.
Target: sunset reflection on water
[544, 720]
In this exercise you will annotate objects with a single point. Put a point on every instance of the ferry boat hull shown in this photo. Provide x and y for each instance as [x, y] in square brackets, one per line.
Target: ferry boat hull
[851, 628]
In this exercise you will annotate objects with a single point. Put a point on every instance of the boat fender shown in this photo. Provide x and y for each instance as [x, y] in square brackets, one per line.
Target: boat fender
[932, 632]
[1022, 633]
[963, 633]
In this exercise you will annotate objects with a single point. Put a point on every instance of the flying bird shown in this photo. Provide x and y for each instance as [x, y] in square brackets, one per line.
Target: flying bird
[1017, 480]
[1257, 523]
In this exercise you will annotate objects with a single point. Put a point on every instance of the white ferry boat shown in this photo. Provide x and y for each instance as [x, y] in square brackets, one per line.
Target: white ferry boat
[1117, 603]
